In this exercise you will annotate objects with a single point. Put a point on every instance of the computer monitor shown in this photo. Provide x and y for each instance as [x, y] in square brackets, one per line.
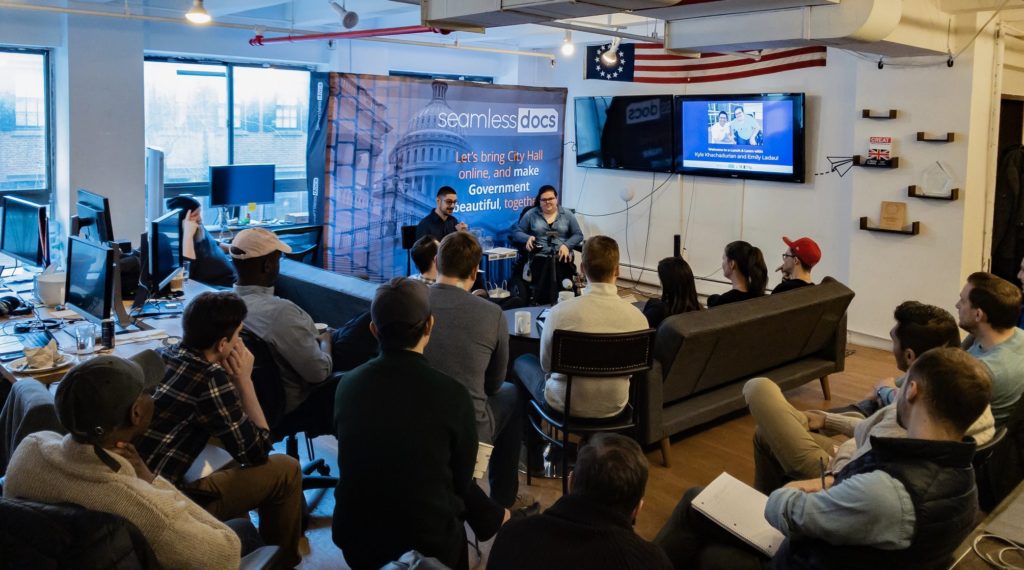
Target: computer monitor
[89, 289]
[164, 249]
[94, 217]
[241, 184]
[25, 234]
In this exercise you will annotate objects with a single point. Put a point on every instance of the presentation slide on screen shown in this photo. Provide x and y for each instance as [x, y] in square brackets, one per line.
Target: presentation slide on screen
[751, 136]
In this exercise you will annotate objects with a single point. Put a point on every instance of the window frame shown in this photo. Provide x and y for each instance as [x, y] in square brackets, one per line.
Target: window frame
[203, 188]
[42, 195]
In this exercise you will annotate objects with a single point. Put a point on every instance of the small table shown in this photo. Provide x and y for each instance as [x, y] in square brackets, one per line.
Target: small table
[520, 344]
[964, 555]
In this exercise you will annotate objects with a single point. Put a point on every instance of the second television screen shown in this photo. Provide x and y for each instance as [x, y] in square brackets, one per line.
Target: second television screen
[742, 136]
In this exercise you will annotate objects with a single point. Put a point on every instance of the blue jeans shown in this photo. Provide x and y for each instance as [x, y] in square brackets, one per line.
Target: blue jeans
[530, 374]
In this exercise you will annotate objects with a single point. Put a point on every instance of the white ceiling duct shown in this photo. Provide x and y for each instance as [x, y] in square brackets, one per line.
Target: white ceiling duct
[496, 13]
[850, 22]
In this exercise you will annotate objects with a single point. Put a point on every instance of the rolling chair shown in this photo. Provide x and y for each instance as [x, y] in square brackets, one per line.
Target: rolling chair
[266, 380]
[601, 355]
[408, 240]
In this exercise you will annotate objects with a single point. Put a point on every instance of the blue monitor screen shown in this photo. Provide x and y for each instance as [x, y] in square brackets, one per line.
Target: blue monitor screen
[89, 287]
[238, 185]
[24, 233]
[165, 248]
[742, 136]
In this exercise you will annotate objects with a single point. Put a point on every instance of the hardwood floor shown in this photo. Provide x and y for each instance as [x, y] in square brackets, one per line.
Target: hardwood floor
[697, 457]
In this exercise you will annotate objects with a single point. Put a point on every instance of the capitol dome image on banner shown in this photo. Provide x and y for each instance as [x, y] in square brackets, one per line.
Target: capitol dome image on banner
[391, 142]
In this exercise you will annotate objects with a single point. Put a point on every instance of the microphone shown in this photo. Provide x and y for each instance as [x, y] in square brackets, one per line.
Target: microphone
[566, 284]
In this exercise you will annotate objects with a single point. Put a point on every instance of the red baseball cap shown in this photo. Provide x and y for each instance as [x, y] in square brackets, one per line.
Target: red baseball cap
[805, 250]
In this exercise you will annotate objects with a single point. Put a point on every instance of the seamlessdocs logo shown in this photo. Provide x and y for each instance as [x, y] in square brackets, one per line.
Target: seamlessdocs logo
[537, 120]
[528, 120]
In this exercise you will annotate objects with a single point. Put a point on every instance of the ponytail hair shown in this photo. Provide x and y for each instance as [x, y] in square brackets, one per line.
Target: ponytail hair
[750, 262]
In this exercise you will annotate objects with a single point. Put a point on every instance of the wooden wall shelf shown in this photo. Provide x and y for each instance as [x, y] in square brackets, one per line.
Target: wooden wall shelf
[915, 228]
[894, 162]
[946, 139]
[866, 114]
[953, 196]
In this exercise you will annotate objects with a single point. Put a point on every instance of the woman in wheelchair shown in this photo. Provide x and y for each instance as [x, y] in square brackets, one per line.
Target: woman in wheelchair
[548, 233]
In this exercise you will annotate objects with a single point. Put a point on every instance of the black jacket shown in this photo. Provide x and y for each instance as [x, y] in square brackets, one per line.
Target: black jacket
[40, 536]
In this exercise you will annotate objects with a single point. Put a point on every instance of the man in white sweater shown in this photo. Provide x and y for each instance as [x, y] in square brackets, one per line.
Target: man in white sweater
[104, 403]
[598, 310]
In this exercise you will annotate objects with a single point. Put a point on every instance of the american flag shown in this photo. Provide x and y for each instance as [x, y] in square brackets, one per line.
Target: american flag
[650, 63]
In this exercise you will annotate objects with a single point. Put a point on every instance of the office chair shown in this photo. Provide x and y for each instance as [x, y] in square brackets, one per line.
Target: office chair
[305, 243]
[408, 240]
[266, 379]
[600, 355]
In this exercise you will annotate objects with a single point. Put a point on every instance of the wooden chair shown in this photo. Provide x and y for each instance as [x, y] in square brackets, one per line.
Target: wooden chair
[600, 355]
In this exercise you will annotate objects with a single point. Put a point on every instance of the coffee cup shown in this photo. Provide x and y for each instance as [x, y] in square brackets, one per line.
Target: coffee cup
[523, 322]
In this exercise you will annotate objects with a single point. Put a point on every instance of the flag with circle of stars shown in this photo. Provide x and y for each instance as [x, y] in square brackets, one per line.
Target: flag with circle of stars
[621, 70]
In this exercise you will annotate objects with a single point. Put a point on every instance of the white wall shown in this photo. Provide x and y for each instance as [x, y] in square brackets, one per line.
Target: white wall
[882, 269]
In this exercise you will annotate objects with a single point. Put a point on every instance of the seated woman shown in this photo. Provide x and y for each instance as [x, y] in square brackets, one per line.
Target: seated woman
[743, 264]
[209, 263]
[678, 292]
[549, 233]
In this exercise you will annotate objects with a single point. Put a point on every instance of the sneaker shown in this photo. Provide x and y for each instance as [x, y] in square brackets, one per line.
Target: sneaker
[525, 506]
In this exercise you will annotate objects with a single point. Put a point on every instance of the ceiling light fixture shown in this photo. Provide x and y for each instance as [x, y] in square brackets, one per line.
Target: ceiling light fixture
[198, 14]
[348, 19]
[567, 48]
[611, 55]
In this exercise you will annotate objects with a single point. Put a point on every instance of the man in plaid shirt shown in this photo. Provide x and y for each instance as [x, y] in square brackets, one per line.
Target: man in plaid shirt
[207, 392]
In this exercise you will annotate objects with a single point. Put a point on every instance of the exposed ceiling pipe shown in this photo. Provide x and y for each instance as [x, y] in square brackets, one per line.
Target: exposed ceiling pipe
[259, 40]
[602, 32]
[252, 28]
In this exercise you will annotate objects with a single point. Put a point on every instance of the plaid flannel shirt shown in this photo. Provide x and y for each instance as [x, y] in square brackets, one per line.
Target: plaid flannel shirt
[196, 401]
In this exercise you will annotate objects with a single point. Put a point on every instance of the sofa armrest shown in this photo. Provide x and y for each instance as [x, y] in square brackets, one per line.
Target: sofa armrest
[649, 402]
[836, 350]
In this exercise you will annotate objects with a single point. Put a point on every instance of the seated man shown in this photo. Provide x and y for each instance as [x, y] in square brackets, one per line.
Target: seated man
[802, 255]
[988, 309]
[207, 392]
[469, 342]
[104, 403]
[407, 444]
[441, 221]
[908, 503]
[424, 252]
[592, 526]
[598, 310]
[786, 443]
[209, 263]
[303, 356]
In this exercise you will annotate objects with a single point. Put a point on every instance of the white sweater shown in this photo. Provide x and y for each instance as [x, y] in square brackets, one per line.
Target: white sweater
[49, 468]
[598, 310]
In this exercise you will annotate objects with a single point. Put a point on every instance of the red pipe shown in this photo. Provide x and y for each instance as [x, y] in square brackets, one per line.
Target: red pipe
[259, 40]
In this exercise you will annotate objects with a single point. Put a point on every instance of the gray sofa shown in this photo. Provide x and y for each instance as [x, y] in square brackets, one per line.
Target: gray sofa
[328, 297]
[702, 359]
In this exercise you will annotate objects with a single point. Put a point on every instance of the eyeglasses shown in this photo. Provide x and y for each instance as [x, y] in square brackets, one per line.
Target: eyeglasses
[551, 199]
[785, 255]
[450, 202]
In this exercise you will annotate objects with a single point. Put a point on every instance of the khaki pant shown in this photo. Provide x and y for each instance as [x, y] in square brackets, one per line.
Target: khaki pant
[784, 449]
[274, 489]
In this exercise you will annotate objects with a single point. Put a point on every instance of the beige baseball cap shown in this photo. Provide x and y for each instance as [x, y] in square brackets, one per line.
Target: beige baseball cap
[256, 242]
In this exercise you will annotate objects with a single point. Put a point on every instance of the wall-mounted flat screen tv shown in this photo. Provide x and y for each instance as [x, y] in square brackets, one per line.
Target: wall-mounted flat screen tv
[629, 133]
[757, 136]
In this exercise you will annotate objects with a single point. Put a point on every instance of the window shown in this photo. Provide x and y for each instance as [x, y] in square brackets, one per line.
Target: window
[210, 114]
[24, 120]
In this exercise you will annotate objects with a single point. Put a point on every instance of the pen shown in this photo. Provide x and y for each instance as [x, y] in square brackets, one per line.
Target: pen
[821, 464]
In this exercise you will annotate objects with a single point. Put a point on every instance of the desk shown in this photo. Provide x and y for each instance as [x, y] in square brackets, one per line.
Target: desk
[219, 232]
[495, 261]
[518, 344]
[964, 555]
[171, 325]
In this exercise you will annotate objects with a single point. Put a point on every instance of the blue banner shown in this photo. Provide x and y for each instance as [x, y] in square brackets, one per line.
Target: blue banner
[394, 141]
[316, 143]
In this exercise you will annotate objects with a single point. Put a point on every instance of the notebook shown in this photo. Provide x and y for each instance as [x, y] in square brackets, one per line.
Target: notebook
[739, 508]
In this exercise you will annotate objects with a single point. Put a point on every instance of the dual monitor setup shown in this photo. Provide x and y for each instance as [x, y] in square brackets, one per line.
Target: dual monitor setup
[93, 280]
[755, 136]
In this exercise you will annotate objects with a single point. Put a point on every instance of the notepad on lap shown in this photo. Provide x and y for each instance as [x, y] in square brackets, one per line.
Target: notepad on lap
[739, 508]
[210, 459]
[483, 457]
